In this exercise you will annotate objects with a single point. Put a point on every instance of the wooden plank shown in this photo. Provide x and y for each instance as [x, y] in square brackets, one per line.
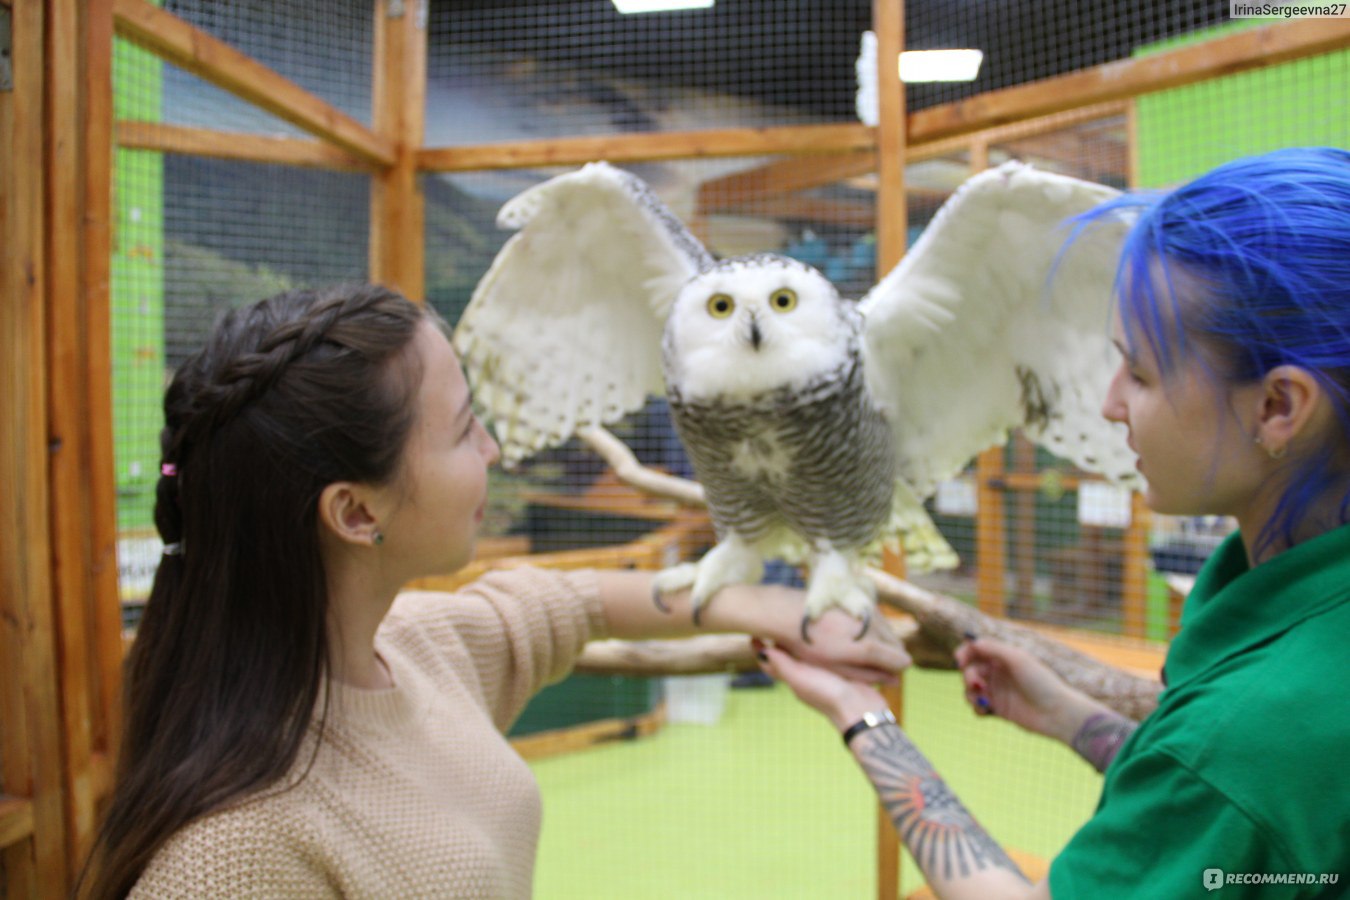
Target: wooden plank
[30, 741]
[653, 551]
[68, 442]
[589, 734]
[892, 218]
[1138, 657]
[1013, 131]
[857, 214]
[236, 145]
[1246, 50]
[195, 51]
[629, 148]
[96, 274]
[397, 232]
[1134, 568]
[787, 176]
[16, 820]
[990, 534]
[892, 221]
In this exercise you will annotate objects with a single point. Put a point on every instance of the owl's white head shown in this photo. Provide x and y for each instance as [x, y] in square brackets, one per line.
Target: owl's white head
[754, 324]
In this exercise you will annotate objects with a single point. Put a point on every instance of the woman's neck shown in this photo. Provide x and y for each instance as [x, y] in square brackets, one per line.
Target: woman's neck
[358, 600]
[1266, 538]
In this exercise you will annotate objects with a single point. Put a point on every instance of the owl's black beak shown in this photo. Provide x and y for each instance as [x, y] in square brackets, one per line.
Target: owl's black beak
[756, 336]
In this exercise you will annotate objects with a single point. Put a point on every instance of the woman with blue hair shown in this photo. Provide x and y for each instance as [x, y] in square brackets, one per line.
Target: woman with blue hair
[1234, 333]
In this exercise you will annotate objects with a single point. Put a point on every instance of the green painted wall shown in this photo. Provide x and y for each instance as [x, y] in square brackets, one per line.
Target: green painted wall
[137, 291]
[1184, 132]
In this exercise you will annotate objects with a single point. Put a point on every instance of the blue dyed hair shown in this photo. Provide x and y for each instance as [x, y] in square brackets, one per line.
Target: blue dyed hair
[1262, 247]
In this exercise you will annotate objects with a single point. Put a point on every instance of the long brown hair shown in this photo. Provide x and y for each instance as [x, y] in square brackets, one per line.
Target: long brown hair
[287, 396]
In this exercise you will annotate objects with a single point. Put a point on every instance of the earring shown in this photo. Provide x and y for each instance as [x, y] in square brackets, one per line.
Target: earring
[378, 538]
[1271, 451]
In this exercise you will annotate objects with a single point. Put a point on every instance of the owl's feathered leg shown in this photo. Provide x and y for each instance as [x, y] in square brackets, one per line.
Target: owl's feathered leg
[838, 578]
[732, 561]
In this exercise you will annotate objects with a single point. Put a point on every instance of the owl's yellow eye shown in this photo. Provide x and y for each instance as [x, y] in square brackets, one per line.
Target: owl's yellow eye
[783, 300]
[720, 306]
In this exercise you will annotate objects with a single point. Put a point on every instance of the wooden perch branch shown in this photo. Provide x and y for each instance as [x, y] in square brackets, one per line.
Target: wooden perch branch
[945, 621]
[941, 621]
[702, 655]
[631, 472]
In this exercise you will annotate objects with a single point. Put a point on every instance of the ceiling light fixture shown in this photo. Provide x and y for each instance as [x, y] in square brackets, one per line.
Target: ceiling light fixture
[650, 6]
[939, 65]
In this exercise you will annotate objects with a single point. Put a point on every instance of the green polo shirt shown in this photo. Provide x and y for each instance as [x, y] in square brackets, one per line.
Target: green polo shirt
[1245, 764]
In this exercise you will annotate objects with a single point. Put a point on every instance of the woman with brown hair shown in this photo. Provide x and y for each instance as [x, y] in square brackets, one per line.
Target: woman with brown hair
[297, 726]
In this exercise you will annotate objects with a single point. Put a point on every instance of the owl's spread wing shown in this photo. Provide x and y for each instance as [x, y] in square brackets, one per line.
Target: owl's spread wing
[970, 337]
[564, 330]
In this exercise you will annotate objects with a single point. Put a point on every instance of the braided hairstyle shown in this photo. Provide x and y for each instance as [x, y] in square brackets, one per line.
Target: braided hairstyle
[286, 397]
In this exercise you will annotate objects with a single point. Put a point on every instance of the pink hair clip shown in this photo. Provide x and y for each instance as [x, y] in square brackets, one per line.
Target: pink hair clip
[168, 470]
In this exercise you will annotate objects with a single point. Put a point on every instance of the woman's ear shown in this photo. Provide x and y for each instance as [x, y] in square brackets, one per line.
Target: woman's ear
[345, 511]
[1290, 401]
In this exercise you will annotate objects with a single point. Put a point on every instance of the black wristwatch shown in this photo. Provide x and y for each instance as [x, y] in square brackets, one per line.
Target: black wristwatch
[869, 720]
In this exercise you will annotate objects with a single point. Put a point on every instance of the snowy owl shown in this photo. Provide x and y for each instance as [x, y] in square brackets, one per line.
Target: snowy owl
[816, 424]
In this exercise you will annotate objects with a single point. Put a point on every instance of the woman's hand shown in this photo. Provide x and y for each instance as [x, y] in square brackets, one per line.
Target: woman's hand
[875, 658]
[770, 612]
[840, 699]
[1012, 684]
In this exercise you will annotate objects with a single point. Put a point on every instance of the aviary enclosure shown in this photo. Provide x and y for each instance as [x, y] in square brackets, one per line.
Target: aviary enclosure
[161, 162]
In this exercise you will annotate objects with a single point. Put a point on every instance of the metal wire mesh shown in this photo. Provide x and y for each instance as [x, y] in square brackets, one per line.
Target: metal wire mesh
[194, 236]
[551, 68]
[325, 48]
[1026, 41]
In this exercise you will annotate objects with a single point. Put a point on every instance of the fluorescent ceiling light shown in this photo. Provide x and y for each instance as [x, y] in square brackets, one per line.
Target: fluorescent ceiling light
[939, 65]
[648, 6]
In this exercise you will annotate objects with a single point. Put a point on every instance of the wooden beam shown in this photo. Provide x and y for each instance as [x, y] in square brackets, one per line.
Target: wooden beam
[16, 820]
[1014, 131]
[1134, 570]
[1246, 50]
[96, 287]
[66, 430]
[888, 21]
[30, 740]
[892, 218]
[397, 232]
[236, 145]
[630, 148]
[786, 176]
[858, 214]
[602, 731]
[195, 51]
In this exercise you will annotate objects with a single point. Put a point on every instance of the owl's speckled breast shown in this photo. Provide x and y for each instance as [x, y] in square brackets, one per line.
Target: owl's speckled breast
[820, 460]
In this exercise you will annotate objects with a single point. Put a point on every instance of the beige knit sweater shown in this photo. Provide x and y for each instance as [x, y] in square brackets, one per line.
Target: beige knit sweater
[414, 791]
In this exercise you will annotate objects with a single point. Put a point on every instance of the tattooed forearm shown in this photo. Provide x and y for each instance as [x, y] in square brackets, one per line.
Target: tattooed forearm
[1100, 736]
[942, 836]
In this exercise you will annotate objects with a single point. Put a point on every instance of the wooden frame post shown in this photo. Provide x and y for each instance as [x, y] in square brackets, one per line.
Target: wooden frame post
[888, 21]
[32, 817]
[397, 234]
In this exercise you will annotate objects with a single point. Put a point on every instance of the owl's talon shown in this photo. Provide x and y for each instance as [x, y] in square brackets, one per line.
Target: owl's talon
[806, 625]
[658, 602]
[866, 623]
[698, 615]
